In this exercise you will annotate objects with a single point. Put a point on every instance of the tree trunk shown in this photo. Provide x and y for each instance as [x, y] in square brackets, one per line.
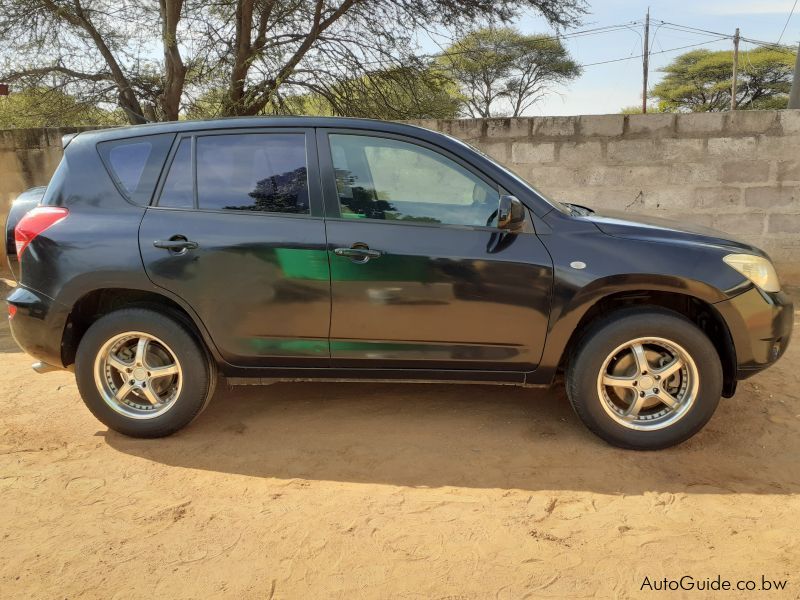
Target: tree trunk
[175, 71]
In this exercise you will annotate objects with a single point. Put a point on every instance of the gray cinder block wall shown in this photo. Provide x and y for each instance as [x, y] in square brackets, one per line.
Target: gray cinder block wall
[738, 172]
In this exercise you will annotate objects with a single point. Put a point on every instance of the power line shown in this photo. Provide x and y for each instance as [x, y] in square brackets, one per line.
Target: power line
[689, 29]
[576, 34]
[718, 37]
[605, 62]
[789, 18]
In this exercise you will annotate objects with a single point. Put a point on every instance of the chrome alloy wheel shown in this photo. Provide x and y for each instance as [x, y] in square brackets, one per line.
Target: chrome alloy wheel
[138, 375]
[648, 383]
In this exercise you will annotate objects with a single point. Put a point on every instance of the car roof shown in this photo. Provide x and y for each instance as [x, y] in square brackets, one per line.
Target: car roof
[256, 122]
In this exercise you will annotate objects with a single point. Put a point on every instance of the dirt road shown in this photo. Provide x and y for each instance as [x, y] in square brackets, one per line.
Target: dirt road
[385, 491]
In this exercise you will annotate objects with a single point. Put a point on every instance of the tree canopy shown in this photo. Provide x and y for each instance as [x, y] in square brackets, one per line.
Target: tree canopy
[156, 60]
[700, 80]
[392, 94]
[43, 107]
[500, 71]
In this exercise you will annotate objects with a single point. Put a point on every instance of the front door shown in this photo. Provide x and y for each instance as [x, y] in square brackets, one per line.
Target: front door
[421, 277]
[237, 233]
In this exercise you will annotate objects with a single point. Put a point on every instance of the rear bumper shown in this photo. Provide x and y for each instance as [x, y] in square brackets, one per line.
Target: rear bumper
[38, 325]
[760, 324]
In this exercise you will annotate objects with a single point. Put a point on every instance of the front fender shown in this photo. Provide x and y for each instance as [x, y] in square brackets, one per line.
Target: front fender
[616, 266]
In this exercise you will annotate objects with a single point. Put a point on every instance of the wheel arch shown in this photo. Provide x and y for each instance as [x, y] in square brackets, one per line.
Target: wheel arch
[699, 311]
[99, 302]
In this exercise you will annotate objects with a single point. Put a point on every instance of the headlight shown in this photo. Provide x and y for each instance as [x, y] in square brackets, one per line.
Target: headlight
[757, 269]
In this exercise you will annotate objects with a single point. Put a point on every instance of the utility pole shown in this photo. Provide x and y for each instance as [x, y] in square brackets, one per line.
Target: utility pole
[735, 68]
[645, 60]
[794, 94]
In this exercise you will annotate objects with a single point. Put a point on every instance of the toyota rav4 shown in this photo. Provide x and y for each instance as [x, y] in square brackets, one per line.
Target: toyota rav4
[271, 249]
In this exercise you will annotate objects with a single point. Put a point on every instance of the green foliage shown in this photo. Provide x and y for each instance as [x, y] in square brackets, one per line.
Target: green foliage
[636, 110]
[500, 71]
[394, 94]
[700, 80]
[42, 107]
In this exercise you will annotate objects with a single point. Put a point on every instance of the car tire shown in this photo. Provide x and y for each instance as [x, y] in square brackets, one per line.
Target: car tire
[142, 373]
[644, 378]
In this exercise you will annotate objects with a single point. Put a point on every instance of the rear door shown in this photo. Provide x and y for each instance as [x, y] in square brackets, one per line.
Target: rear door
[421, 277]
[237, 231]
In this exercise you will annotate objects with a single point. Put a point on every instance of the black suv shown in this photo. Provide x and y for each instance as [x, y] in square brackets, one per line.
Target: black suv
[323, 248]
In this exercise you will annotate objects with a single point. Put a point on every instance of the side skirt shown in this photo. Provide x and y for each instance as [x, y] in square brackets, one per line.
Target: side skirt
[271, 380]
[243, 376]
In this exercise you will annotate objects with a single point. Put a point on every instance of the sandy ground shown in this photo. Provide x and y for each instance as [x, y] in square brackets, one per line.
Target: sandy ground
[379, 491]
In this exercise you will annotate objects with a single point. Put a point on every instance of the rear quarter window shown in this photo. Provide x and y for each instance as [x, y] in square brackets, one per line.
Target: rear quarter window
[135, 164]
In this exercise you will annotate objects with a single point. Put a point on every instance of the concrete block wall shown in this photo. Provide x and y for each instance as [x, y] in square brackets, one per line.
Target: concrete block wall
[738, 172]
[28, 158]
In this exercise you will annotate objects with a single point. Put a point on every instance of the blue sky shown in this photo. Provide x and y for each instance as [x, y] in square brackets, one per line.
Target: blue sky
[607, 88]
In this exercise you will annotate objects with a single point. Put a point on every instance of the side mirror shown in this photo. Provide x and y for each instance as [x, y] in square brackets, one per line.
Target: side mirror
[510, 213]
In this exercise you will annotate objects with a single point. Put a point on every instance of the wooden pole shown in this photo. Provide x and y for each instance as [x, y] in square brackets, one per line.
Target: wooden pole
[735, 68]
[794, 94]
[645, 60]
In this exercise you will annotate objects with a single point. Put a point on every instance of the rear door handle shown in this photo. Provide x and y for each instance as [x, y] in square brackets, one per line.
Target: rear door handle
[357, 253]
[176, 244]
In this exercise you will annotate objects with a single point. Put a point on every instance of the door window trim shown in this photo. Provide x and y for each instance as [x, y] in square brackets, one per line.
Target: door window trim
[313, 179]
[331, 196]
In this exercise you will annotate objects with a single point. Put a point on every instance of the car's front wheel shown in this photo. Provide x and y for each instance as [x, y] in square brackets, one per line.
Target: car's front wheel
[644, 378]
[142, 373]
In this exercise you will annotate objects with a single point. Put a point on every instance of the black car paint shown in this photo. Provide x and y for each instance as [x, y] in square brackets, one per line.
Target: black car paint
[509, 306]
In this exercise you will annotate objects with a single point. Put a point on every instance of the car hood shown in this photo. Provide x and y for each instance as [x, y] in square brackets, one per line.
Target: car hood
[657, 229]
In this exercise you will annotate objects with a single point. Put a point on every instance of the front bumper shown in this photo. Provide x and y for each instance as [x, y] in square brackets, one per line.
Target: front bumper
[760, 324]
[38, 324]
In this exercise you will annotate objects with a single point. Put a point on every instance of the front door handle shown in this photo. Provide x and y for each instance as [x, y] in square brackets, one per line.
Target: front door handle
[177, 243]
[357, 253]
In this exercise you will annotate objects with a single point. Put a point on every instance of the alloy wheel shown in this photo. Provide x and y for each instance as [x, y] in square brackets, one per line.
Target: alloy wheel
[138, 375]
[648, 383]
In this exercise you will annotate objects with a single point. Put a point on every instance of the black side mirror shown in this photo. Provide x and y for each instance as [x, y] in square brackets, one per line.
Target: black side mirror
[510, 213]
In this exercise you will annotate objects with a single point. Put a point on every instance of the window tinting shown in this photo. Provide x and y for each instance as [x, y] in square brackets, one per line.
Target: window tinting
[135, 163]
[381, 178]
[257, 172]
[178, 190]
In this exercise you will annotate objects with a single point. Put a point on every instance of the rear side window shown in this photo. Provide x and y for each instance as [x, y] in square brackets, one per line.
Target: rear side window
[262, 172]
[178, 190]
[135, 164]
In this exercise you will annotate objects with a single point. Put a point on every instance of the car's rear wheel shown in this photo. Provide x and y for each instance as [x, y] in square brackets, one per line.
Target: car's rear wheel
[644, 378]
[142, 373]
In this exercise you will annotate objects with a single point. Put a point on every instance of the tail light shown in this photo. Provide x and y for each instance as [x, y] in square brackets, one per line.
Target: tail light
[35, 222]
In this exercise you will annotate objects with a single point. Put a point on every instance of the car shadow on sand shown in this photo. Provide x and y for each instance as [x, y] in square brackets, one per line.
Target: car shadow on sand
[470, 436]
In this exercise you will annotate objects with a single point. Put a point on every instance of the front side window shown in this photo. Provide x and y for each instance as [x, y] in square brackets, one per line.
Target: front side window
[264, 172]
[381, 178]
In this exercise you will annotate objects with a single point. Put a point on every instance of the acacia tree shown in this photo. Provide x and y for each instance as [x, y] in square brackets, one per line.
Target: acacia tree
[500, 71]
[700, 80]
[44, 107]
[154, 59]
[394, 94]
